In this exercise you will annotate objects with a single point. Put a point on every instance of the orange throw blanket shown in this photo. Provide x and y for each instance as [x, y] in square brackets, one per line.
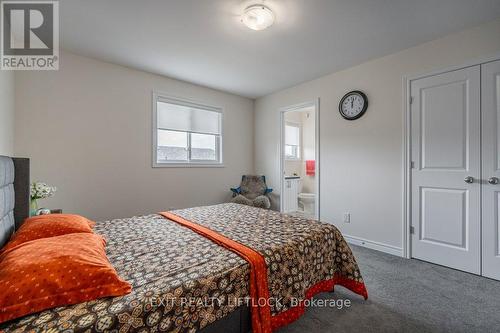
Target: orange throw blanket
[259, 290]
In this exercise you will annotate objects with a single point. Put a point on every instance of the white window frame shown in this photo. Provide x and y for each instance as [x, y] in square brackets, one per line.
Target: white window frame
[157, 96]
[299, 146]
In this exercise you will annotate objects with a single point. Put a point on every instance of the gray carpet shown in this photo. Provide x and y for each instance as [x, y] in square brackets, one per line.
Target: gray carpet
[408, 296]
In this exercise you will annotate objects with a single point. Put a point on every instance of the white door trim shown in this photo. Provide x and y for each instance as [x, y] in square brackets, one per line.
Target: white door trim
[283, 110]
[406, 174]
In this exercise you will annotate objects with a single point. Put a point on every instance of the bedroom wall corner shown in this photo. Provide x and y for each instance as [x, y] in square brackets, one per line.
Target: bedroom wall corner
[362, 161]
[88, 130]
[6, 112]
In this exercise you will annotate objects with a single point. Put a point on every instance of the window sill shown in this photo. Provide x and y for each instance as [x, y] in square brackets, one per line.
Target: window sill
[188, 165]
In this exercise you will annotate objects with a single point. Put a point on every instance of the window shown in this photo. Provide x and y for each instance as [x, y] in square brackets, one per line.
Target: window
[292, 141]
[186, 133]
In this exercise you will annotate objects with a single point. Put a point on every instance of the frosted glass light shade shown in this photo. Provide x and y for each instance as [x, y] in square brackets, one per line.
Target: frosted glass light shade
[258, 17]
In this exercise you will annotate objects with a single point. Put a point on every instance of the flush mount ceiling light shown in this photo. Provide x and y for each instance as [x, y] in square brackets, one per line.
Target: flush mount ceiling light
[257, 17]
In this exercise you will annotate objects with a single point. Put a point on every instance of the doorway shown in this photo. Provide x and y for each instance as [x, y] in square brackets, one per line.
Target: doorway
[299, 160]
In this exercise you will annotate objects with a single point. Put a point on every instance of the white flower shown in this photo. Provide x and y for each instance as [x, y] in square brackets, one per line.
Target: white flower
[41, 190]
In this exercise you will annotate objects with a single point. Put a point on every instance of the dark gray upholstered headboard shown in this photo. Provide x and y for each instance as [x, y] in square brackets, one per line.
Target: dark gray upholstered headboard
[14, 195]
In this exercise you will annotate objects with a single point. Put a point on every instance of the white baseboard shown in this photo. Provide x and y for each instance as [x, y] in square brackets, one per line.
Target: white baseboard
[394, 250]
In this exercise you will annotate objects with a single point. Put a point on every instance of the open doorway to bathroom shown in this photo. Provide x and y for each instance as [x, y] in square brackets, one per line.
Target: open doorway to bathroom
[299, 167]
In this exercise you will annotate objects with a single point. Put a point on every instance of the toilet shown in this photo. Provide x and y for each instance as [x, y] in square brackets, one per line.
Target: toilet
[306, 200]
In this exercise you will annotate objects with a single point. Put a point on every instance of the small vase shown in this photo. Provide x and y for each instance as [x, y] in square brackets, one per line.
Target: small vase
[33, 207]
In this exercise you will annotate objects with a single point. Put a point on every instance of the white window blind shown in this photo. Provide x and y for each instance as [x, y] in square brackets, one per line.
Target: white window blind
[292, 135]
[292, 141]
[188, 119]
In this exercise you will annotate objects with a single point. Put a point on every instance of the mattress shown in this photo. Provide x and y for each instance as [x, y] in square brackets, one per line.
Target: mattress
[183, 282]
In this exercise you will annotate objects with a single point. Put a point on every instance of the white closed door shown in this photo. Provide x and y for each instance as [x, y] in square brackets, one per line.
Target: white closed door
[490, 90]
[445, 177]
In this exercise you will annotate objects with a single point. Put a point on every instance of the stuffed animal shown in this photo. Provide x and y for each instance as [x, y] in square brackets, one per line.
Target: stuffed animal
[252, 191]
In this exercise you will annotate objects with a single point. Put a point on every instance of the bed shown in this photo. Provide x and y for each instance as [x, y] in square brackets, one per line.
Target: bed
[184, 282]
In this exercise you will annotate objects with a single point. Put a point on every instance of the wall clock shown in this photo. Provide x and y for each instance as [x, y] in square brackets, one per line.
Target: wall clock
[353, 105]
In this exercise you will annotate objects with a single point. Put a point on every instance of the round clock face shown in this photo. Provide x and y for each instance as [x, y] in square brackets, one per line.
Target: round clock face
[353, 105]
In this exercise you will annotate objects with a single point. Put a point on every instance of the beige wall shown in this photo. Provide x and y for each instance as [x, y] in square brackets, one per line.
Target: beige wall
[361, 161]
[293, 168]
[6, 113]
[87, 129]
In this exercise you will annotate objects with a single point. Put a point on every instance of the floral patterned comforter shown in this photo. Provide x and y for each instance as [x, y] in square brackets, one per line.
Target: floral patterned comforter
[182, 282]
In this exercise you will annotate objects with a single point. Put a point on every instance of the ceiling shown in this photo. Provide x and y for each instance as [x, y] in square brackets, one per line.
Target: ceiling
[204, 42]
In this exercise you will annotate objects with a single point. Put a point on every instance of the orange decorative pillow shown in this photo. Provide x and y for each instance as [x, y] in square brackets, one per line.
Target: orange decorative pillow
[56, 271]
[51, 225]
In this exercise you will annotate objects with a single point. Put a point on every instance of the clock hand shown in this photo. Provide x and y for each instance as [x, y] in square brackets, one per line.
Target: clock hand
[352, 103]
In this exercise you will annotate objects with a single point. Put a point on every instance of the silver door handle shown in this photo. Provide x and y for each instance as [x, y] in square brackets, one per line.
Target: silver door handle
[469, 179]
[493, 180]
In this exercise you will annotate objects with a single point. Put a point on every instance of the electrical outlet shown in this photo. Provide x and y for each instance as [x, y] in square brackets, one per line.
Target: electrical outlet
[347, 217]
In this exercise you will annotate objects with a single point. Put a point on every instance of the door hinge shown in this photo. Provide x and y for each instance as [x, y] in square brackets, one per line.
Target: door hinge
[411, 99]
[412, 165]
[412, 230]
